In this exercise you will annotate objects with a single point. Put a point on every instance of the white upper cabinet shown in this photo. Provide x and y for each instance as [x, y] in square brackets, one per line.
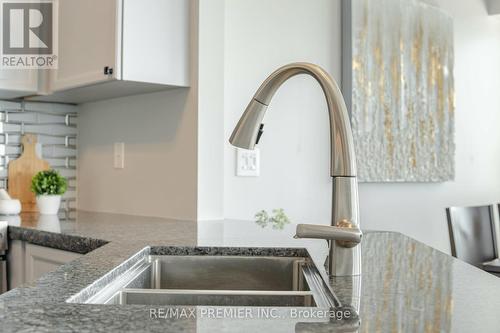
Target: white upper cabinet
[88, 42]
[16, 83]
[156, 41]
[112, 48]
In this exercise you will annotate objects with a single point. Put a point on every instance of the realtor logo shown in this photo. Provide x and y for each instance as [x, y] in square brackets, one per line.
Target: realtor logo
[29, 34]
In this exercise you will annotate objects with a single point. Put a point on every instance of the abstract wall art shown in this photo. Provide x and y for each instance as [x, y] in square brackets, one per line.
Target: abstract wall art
[398, 83]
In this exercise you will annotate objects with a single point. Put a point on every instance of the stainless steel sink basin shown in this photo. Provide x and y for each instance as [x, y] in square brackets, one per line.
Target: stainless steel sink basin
[224, 273]
[229, 298]
[207, 280]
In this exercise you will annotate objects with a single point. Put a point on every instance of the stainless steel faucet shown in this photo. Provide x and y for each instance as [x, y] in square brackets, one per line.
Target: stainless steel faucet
[343, 235]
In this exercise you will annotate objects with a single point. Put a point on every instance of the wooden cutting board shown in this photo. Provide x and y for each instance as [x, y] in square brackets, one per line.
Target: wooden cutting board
[22, 170]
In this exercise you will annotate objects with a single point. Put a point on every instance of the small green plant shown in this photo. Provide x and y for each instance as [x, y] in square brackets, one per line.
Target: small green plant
[262, 218]
[48, 182]
[278, 220]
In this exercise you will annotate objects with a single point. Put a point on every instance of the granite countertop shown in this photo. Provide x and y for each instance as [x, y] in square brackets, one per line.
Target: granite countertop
[406, 286]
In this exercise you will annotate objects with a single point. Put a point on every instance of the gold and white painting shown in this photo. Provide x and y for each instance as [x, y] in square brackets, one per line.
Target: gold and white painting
[401, 90]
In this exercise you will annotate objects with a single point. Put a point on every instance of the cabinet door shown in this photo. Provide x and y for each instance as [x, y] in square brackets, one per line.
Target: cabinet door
[88, 42]
[41, 260]
[16, 83]
[15, 263]
[162, 57]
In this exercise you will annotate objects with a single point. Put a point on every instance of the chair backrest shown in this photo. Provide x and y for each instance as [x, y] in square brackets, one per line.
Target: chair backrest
[472, 233]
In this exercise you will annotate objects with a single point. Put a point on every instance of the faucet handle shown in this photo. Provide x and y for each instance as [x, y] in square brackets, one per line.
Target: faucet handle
[346, 234]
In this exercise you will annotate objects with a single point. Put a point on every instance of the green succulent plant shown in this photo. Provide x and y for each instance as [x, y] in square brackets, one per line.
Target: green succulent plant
[48, 182]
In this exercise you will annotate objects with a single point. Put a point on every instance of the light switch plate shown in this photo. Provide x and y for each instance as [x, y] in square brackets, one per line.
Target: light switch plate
[247, 162]
[119, 155]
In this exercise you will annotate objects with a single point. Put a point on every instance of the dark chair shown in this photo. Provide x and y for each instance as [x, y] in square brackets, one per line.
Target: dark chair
[472, 236]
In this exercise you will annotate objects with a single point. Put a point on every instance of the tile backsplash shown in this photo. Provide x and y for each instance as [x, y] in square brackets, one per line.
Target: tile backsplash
[56, 127]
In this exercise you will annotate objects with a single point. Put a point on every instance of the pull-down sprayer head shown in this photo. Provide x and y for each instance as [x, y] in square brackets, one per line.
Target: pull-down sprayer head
[246, 134]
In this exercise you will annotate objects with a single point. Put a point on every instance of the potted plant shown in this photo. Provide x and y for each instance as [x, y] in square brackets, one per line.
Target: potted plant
[48, 186]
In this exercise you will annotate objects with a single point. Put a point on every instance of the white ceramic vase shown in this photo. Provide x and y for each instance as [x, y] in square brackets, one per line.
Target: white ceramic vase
[48, 204]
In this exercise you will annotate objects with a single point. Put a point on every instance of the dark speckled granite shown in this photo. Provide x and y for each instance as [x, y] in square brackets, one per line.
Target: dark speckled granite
[228, 251]
[405, 287]
[58, 241]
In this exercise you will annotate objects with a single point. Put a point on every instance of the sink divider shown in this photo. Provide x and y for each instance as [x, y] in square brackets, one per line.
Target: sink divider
[156, 274]
[114, 288]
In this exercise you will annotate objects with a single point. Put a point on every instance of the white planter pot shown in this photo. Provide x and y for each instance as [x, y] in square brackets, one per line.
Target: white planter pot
[48, 204]
[49, 223]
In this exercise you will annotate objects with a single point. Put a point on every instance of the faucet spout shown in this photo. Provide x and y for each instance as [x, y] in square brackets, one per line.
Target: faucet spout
[343, 161]
[345, 254]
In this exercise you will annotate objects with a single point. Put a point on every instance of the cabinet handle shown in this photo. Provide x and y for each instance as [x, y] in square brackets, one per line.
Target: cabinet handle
[108, 70]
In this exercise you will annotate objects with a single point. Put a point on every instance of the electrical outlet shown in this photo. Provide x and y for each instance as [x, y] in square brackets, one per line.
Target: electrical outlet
[247, 162]
[119, 155]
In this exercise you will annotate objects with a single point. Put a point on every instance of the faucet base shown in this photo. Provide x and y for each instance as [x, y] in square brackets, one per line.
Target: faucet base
[345, 260]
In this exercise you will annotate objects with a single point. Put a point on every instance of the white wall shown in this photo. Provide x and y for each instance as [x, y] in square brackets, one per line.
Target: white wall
[160, 175]
[211, 110]
[262, 35]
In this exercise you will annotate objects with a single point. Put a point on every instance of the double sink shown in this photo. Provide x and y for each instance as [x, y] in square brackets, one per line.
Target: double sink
[212, 280]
